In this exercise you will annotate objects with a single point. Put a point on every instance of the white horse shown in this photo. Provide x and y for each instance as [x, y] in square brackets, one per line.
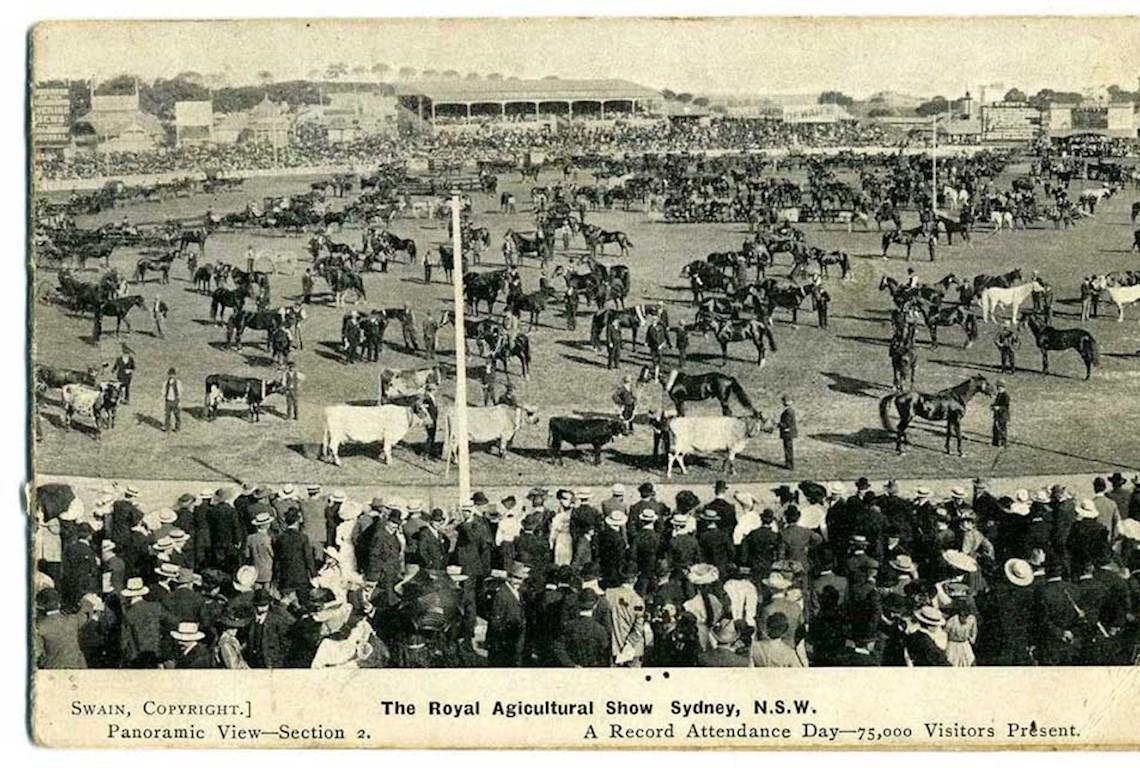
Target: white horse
[994, 298]
[1001, 219]
[1122, 296]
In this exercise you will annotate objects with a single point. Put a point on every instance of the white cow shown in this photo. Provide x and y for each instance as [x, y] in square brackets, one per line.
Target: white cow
[95, 403]
[492, 424]
[387, 424]
[710, 434]
[1122, 296]
[396, 384]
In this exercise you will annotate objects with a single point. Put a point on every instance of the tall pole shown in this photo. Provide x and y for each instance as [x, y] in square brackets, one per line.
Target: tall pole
[933, 163]
[460, 426]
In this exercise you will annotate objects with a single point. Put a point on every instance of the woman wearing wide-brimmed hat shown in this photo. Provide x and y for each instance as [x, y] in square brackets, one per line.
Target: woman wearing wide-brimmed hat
[229, 653]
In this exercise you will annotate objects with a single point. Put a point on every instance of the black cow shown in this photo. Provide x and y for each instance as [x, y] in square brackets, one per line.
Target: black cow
[221, 387]
[581, 431]
[56, 378]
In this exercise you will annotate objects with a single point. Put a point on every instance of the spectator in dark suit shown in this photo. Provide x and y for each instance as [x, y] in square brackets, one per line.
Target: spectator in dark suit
[55, 636]
[583, 641]
[268, 644]
[293, 563]
[431, 546]
[140, 635]
[80, 571]
[227, 533]
[190, 652]
[506, 626]
[729, 650]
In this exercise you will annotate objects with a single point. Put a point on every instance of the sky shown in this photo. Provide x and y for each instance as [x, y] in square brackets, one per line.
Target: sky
[742, 56]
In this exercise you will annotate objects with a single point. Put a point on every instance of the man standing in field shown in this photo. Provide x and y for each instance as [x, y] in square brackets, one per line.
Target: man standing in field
[293, 379]
[124, 370]
[1007, 341]
[789, 431]
[1000, 409]
[171, 397]
[307, 286]
[613, 345]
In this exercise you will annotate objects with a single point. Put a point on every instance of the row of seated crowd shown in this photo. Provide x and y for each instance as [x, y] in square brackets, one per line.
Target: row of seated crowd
[815, 575]
[620, 137]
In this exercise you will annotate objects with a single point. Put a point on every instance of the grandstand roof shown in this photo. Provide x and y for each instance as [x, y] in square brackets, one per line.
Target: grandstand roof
[464, 91]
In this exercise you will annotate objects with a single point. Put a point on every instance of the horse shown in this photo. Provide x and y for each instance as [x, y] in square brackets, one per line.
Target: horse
[392, 243]
[119, 308]
[951, 316]
[982, 282]
[597, 239]
[1013, 297]
[1135, 211]
[223, 298]
[196, 237]
[682, 387]
[735, 330]
[160, 264]
[625, 318]
[519, 349]
[947, 405]
[832, 258]
[481, 287]
[1001, 220]
[1054, 339]
[1122, 296]
[772, 294]
[534, 304]
[340, 281]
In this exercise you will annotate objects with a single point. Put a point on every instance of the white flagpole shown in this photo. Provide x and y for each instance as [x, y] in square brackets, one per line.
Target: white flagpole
[460, 426]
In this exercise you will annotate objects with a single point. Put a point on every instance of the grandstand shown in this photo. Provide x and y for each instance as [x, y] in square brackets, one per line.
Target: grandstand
[524, 100]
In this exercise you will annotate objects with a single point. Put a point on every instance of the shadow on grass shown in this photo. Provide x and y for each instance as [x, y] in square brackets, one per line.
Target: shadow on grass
[850, 385]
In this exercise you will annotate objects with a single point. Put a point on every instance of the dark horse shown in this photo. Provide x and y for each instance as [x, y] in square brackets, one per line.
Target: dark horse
[683, 387]
[225, 297]
[948, 405]
[1056, 339]
[479, 287]
[119, 308]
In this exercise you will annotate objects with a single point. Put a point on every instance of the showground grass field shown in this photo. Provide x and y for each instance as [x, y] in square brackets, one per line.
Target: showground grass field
[1061, 423]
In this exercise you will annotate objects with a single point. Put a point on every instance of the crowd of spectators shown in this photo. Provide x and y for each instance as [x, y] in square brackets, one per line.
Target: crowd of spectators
[489, 140]
[836, 575]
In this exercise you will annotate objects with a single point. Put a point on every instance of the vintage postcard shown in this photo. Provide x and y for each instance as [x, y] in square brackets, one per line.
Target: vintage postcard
[373, 357]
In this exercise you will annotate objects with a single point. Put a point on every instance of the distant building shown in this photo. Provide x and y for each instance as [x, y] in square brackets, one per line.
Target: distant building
[352, 115]
[1112, 120]
[1010, 121]
[51, 120]
[193, 122]
[116, 124]
[896, 101]
[815, 113]
[269, 123]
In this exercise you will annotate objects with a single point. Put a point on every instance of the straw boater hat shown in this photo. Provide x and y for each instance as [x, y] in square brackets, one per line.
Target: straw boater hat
[1086, 510]
[1020, 505]
[1040, 496]
[725, 632]
[167, 515]
[836, 488]
[262, 519]
[1019, 572]
[958, 492]
[582, 493]
[703, 573]
[177, 535]
[167, 571]
[518, 570]
[414, 506]
[1129, 529]
[679, 520]
[709, 514]
[349, 511]
[131, 492]
[647, 515]
[337, 496]
[777, 581]
[455, 572]
[930, 616]
[960, 560]
[187, 631]
[288, 491]
[618, 490]
[617, 518]
[135, 588]
[903, 564]
[205, 494]
[922, 492]
[245, 578]
[163, 544]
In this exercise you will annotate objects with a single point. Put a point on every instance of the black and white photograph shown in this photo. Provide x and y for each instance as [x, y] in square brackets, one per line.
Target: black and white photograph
[634, 343]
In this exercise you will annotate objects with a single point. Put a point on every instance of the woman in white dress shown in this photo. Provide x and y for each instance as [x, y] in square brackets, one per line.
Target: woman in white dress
[561, 541]
[961, 634]
[349, 511]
